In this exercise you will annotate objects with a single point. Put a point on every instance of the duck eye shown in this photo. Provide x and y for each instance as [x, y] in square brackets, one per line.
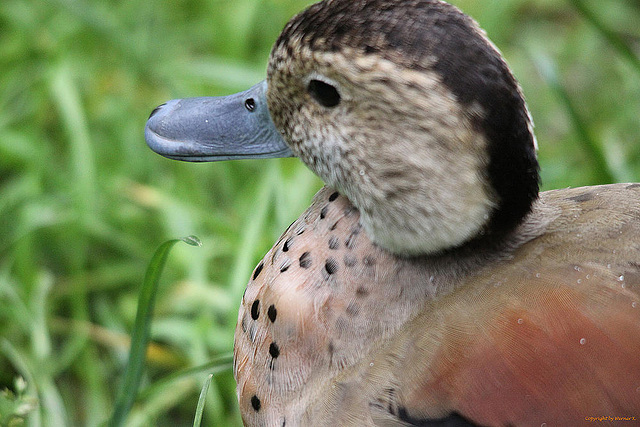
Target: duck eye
[325, 94]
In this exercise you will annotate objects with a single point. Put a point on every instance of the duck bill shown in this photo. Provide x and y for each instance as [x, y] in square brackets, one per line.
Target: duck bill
[209, 129]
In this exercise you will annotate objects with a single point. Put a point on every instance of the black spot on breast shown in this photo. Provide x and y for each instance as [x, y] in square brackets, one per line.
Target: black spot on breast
[331, 266]
[350, 260]
[305, 260]
[584, 197]
[342, 325]
[255, 403]
[334, 242]
[274, 351]
[285, 266]
[334, 225]
[369, 261]
[244, 323]
[323, 212]
[352, 309]
[287, 244]
[362, 291]
[333, 196]
[272, 313]
[259, 268]
[252, 332]
[350, 240]
[255, 309]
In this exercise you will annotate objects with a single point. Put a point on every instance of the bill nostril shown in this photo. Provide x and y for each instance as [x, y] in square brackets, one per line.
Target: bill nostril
[155, 110]
[250, 104]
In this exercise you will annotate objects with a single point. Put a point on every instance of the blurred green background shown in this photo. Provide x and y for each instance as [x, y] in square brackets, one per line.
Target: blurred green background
[84, 203]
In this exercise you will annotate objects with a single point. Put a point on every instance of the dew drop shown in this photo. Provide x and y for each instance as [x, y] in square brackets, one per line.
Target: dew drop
[192, 240]
[587, 277]
[577, 268]
[520, 321]
[608, 265]
[583, 341]
[634, 304]
[543, 425]
[361, 172]
[579, 281]
[620, 279]
[371, 364]
[538, 275]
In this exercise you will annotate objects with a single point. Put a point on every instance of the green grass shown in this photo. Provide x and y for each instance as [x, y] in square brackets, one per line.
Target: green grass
[130, 384]
[84, 203]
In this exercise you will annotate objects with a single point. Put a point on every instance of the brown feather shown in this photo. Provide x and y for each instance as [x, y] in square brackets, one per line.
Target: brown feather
[550, 335]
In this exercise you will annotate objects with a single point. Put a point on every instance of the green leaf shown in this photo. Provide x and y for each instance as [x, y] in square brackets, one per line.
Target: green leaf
[201, 400]
[141, 331]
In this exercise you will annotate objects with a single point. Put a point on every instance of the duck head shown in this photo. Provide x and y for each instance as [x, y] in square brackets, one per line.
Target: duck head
[405, 107]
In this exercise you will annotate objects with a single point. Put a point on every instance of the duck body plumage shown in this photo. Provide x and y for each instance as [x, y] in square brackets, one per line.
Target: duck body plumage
[429, 283]
[543, 330]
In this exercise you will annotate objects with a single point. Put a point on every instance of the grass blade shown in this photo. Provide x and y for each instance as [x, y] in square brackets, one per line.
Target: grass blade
[141, 331]
[612, 37]
[220, 364]
[203, 397]
[74, 117]
[549, 73]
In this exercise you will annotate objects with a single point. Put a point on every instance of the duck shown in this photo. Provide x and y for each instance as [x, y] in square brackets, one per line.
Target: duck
[430, 282]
